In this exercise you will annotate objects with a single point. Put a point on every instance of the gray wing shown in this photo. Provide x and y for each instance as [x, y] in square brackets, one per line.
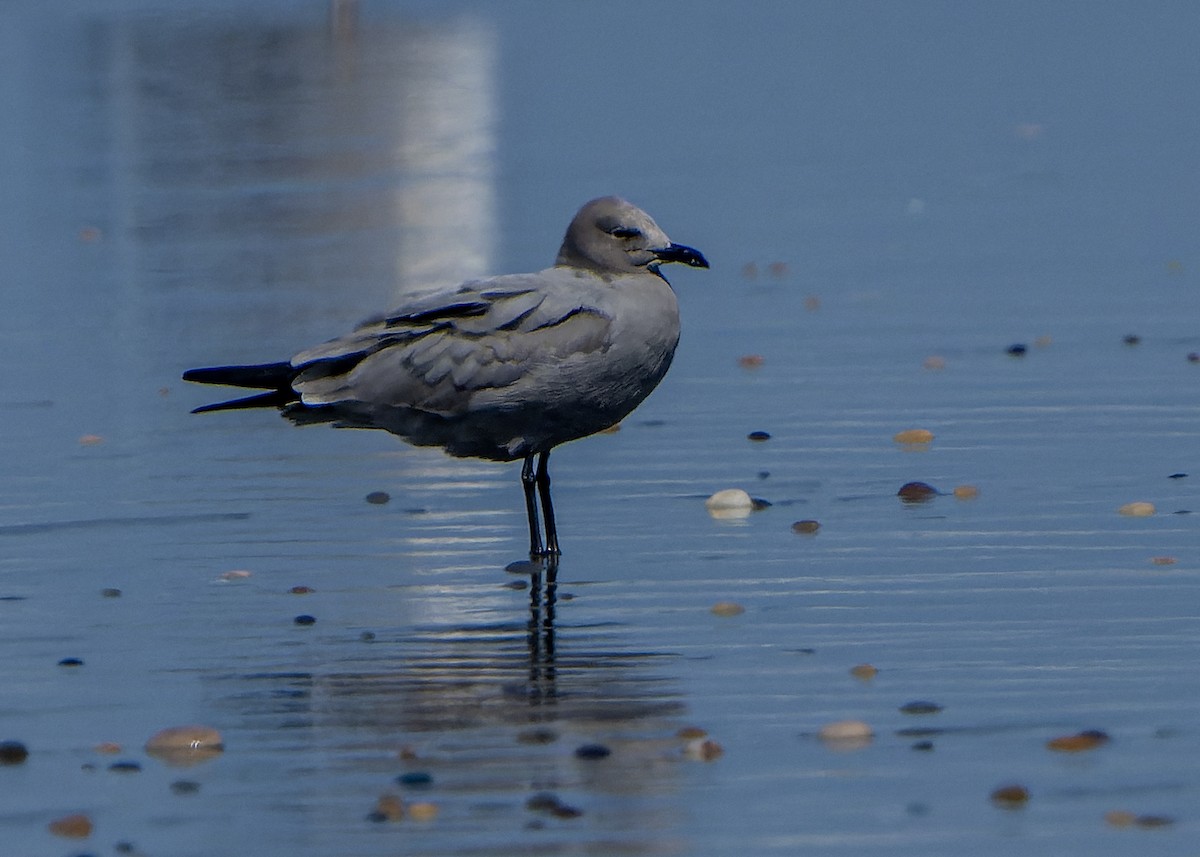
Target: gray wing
[490, 343]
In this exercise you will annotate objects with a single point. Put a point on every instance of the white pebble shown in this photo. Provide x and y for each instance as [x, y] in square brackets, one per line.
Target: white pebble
[730, 503]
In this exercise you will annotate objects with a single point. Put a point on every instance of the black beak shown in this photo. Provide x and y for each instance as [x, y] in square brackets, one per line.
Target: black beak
[680, 253]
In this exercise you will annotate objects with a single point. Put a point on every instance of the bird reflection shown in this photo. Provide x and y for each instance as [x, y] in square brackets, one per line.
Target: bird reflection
[541, 630]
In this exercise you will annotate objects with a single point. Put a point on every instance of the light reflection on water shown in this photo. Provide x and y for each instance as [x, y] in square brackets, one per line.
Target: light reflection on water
[259, 182]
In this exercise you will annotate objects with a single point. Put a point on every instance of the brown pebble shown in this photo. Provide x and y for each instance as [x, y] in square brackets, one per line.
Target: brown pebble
[90, 234]
[1163, 560]
[1120, 818]
[965, 492]
[90, 440]
[913, 436]
[612, 429]
[806, 527]
[301, 590]
[777, 269]
[389, 807]
[727, 608]
[423, 811]
[812, 303]
[864, 672]
[75, 826]
[185, 745]
[407, 753]
[691, 733]
[916, 492]
[1010, 797]
[751, 361]
[1138, 509]
[934, 363]
[107, 748]
[13, 753]
[1086, 740]
[703, 750]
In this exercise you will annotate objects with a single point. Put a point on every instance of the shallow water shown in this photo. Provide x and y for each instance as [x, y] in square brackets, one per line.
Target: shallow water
[185, 188]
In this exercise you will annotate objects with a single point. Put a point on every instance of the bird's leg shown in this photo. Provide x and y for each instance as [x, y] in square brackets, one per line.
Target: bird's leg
[529, 483]
[543, 486]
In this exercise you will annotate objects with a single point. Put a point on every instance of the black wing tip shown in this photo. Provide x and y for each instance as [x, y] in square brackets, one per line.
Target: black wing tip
[262, 376]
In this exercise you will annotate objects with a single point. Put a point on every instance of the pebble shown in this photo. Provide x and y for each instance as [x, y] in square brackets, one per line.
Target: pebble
[592, 751]
[812, 303]
[1044, 340]
[423, 811]
[301, 590]
[416, 779]
[1120, 818]
[1163, 560]
[1017, 349]
[849, 731]
[542, 802]
[806, 527]
[71, 662]
[911, 436]
[751, 361]
[703, 750]
[236, 574]
[1193, 357]
[1139, 509]
[864, 672]
[13, 752]
[75, 826]
[759, 436]
[920, 707]
[185, 745]
[305, 619]
[107, 748]
[185, 787]
[965, 492]
[1153, 821]
[727, 608]
[125, 767]
[934, 363]
[537, 736]
[90, 440]
[729, 503]
[923, 746]
[1089, 739]
[690, 733]
[389, 807]
[1010, 797]
[109, 592]
[916, 492]
[378, 498]
[1131, 339]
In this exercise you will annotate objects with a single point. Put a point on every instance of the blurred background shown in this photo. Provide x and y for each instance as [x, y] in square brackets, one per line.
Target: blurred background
[893, 196]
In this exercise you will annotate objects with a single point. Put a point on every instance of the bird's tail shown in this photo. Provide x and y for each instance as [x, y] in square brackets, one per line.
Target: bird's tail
[275, 378]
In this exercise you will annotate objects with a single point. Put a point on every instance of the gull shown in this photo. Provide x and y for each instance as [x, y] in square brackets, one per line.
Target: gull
[501, 368]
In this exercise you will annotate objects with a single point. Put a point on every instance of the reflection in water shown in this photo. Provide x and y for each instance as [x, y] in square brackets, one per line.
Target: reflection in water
[494, 714]
[346, 157]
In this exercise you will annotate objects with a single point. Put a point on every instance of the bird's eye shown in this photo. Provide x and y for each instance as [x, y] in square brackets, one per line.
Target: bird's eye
[625, 232]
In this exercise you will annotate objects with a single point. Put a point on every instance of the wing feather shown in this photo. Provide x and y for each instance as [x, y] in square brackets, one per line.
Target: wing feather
[450, 353]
